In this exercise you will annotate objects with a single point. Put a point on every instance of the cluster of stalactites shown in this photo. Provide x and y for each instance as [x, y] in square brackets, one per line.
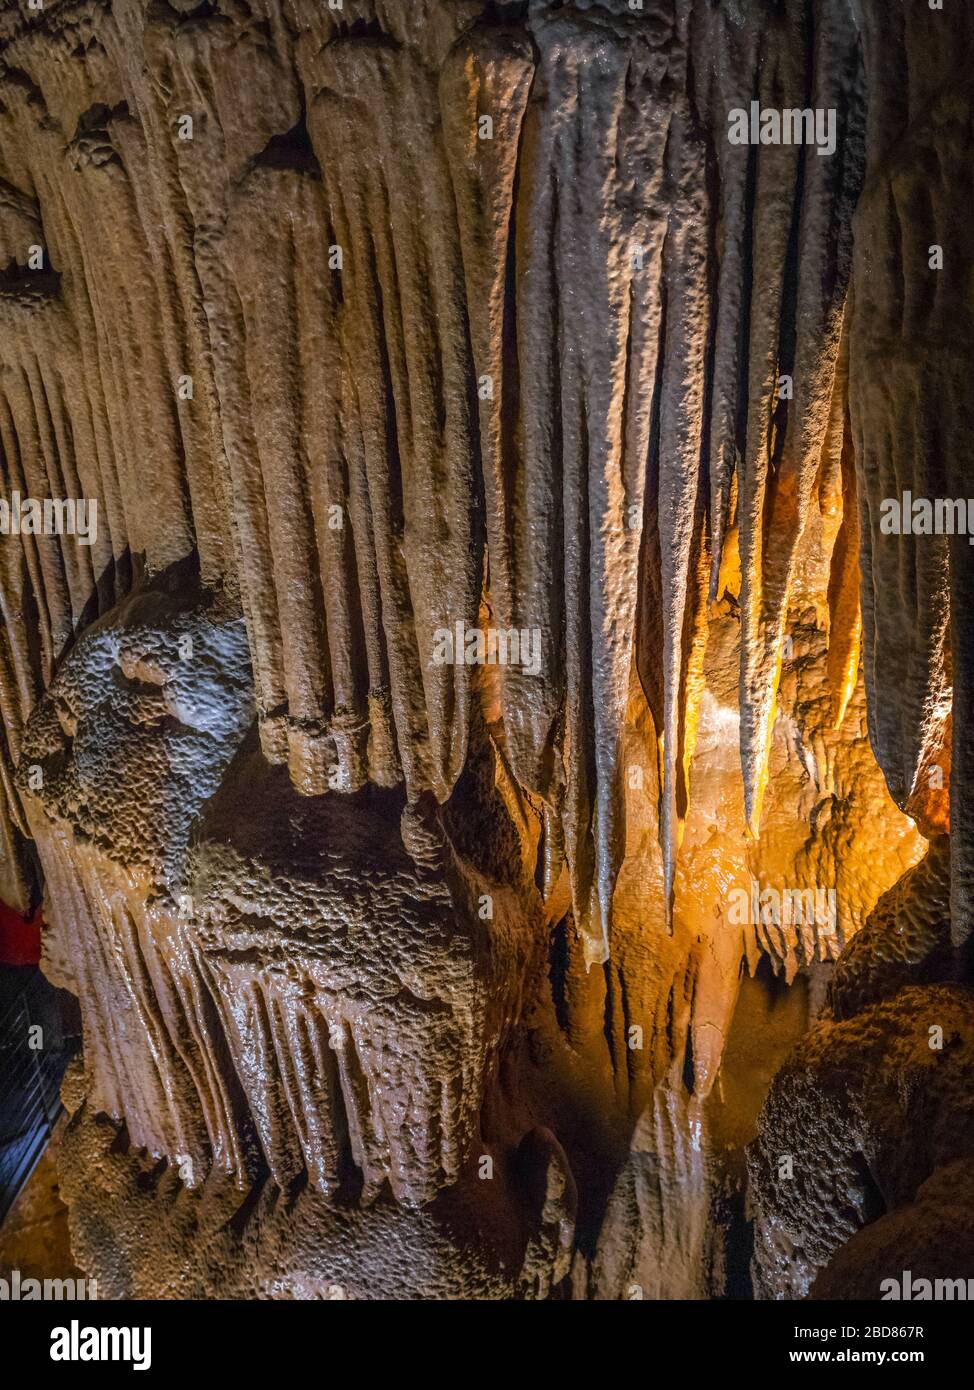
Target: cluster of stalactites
[444, 299]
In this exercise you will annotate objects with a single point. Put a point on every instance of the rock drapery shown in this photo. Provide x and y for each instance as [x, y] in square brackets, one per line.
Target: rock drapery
[362, 327]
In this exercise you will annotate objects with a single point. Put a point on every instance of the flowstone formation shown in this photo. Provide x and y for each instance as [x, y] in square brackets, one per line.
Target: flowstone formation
[496, 779]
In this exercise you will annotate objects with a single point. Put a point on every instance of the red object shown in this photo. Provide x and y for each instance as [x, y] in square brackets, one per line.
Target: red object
[20, 938]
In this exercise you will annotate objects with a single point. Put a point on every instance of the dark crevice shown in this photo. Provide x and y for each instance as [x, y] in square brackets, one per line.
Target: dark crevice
[558, 974]
[292, 151]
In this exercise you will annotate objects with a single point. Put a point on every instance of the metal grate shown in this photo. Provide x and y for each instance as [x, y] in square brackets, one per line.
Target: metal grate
[34, 1051]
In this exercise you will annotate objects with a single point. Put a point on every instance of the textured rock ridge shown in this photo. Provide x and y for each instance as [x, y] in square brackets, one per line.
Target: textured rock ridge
[345, 447]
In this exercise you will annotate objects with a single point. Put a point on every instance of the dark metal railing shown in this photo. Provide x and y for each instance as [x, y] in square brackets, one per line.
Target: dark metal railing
[35, 1048]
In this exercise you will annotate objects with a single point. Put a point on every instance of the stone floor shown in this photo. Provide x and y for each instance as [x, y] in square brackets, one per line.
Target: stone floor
[34, 1236]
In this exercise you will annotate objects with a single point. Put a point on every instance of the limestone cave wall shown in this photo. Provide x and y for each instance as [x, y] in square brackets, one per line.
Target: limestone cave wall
[368, 330]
